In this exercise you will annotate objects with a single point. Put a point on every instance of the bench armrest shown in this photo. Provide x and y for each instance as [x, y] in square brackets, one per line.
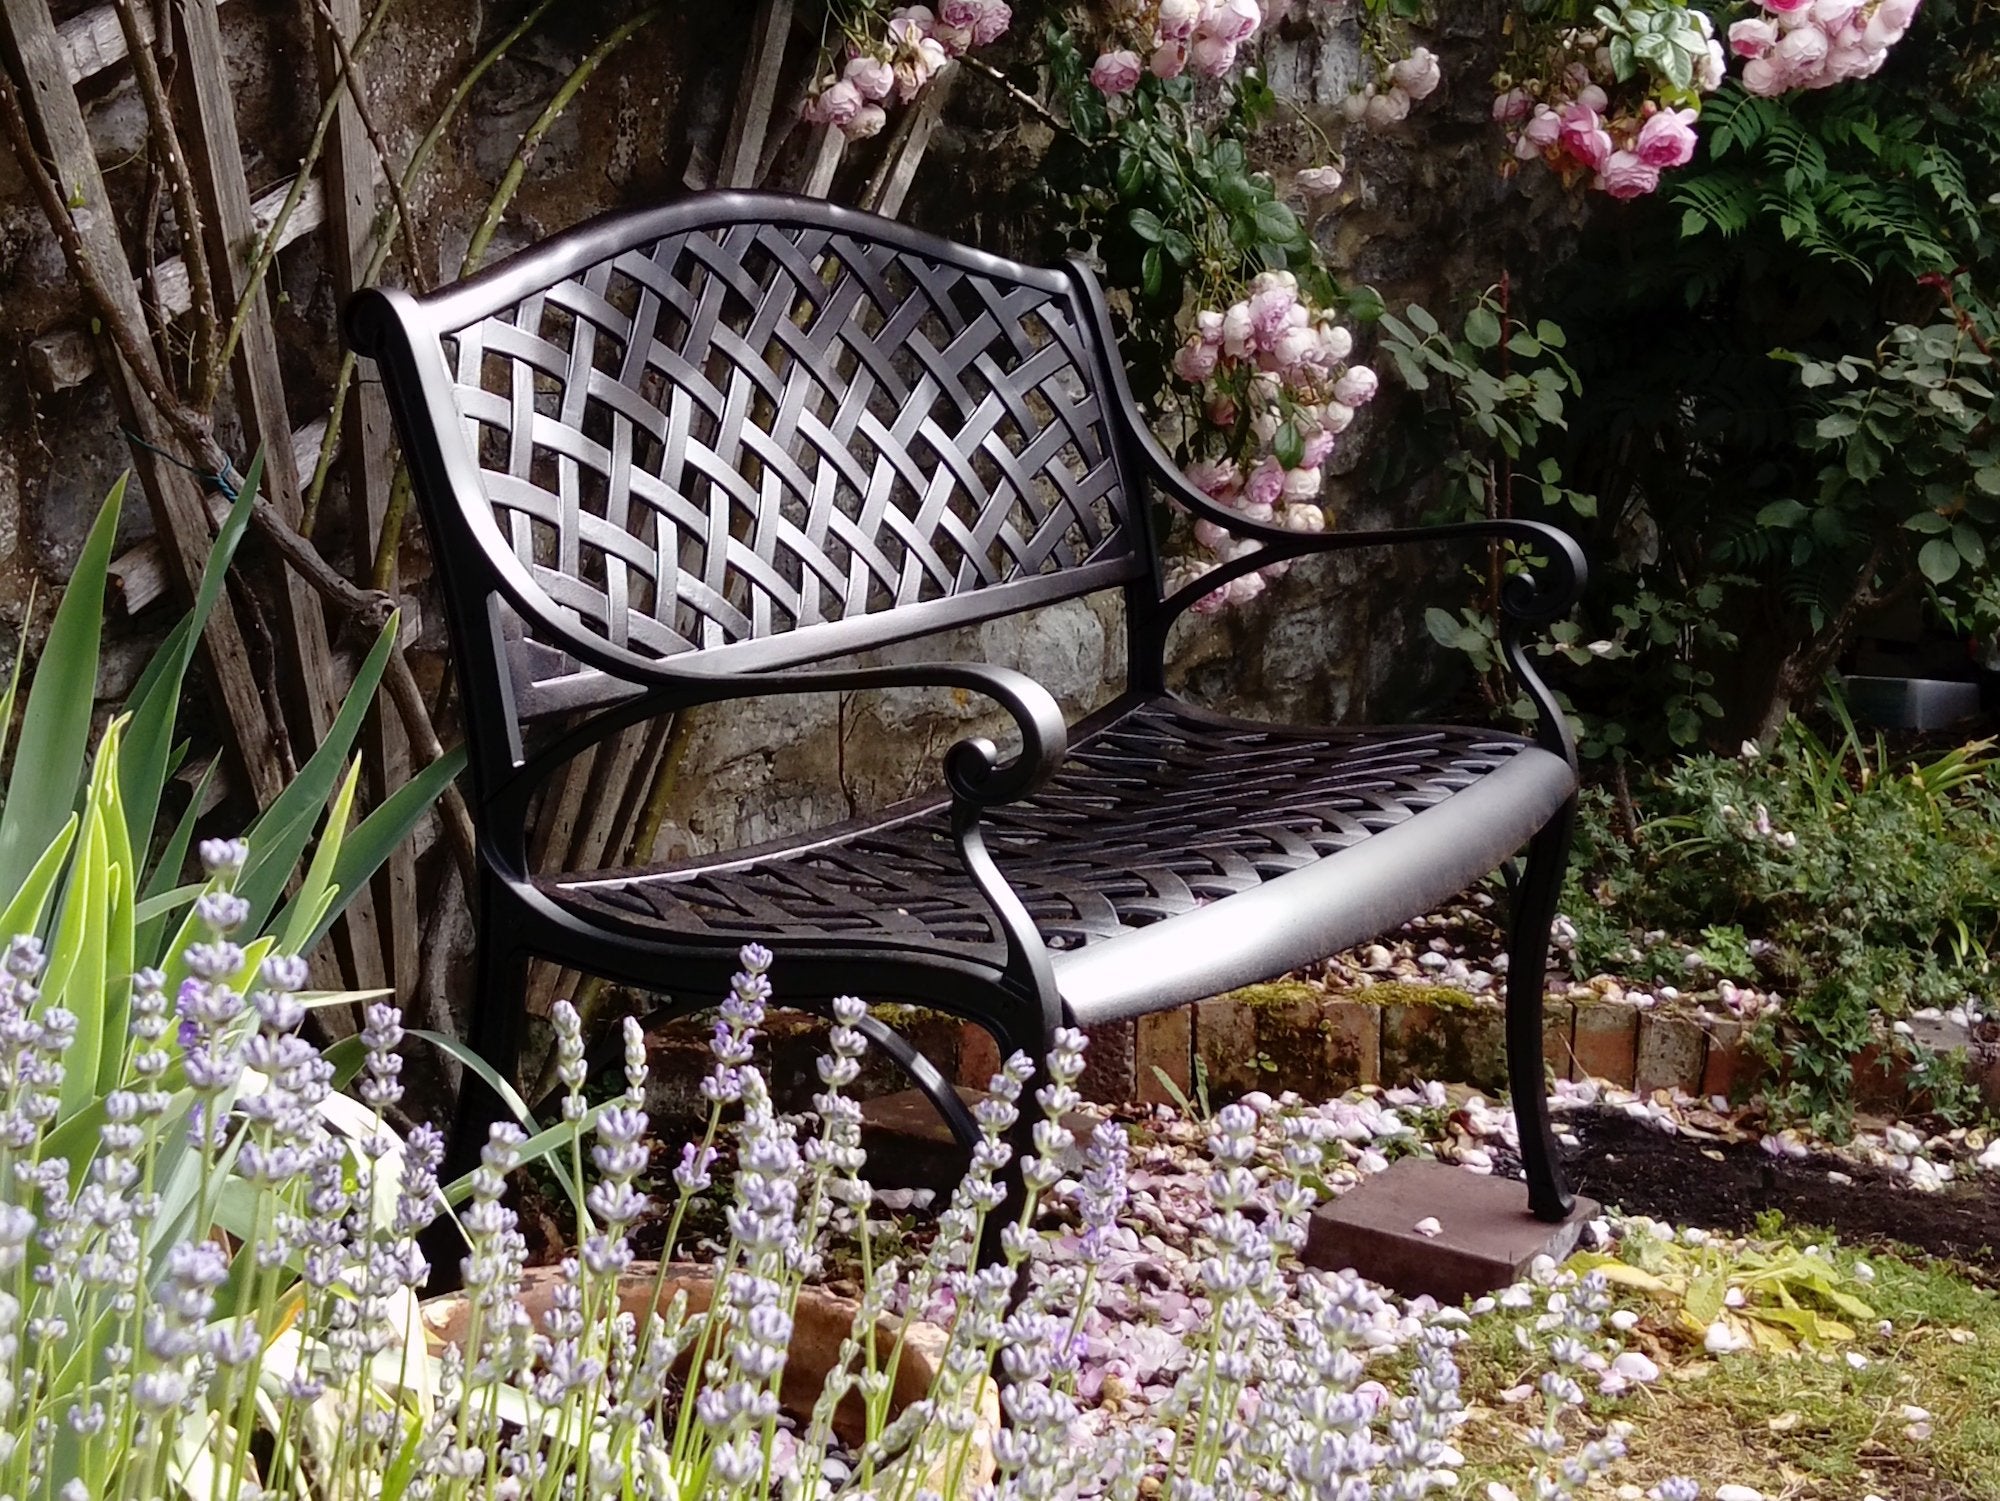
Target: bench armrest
[1532, 599]
[973, 770]
[1526, 599]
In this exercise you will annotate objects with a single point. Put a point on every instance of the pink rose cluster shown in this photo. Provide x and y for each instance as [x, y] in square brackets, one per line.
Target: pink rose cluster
[1576, 131]
[1387, 101]
[1204, 35]
[1268, 360]
[1814, 44]
[914, 45]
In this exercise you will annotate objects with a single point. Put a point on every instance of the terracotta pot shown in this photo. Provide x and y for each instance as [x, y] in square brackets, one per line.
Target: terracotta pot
[820, 1323]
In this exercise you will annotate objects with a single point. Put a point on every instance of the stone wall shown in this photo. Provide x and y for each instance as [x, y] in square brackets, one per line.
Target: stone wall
[1427, 219]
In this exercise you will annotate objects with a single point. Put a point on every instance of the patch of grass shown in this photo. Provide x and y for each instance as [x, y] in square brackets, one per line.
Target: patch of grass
[1814, 1427]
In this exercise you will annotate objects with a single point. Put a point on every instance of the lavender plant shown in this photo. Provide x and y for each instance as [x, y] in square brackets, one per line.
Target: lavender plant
[209, 1286]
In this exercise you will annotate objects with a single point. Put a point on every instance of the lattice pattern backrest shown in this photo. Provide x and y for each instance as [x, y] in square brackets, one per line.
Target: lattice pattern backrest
[758, 429]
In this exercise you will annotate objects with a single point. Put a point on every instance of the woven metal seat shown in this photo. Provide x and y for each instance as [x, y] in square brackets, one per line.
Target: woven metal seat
[1158, 811]
[698, 453]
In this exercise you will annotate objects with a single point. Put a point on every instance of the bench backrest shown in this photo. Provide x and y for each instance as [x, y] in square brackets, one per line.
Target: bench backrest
[749, 431]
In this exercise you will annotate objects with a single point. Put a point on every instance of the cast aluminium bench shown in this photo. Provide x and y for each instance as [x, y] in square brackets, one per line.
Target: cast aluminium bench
[679, 456]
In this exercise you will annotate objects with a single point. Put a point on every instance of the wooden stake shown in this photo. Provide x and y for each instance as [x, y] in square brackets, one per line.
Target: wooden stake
[215, 162]
[349, 167]
[756, 96]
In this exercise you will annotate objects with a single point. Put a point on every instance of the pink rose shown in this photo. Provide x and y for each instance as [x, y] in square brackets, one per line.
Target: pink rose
[1208, 326]
[1515, 104]
[1389, 108]
[1336, 417]
[1765, 78]
[868, 121]
[995, 16]
[1803, 48]
[1177, 20]
[1116, 72]
[1544, 128]
[1211, 56]
[1319, 182]
[1230, 20]
[1211, 535]
[1335, 343]
[1318, 449]
[837, 104]
[1303, 518]
[1624, 175]
[1356, 387]
[1752, 38]
[1271, 314]
[1239, 330]
[1667, 139]
[1266, 484]
[1194, 361]
[1216, 478]
[1590, 96]
[1584, 136]
[871, 76]
[1785, 7]
[1169, 60]
[963, 13]
[1419, 74]
[1293, 348]
[1301, 485]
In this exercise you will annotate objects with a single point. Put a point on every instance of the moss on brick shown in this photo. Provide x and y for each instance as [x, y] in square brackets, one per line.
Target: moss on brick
[1410, 993]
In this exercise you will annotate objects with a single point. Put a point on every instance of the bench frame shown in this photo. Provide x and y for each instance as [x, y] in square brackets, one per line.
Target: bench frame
[486, 588]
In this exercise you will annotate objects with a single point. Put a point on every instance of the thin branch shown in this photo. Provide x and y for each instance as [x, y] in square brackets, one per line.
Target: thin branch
[350, 77]
[510, 183]
[173, 162]
[267, 248]
[1014, 91]
[378, 257]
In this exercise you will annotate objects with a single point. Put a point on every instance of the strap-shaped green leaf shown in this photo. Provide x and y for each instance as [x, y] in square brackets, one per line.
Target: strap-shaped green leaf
[55, 729]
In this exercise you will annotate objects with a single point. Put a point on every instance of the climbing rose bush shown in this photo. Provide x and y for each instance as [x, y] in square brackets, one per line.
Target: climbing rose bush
[1176, 36]
[1270, 379]
[1815, 44]
[873, 61]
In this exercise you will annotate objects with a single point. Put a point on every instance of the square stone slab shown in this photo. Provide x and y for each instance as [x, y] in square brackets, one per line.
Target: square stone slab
[1486, 1242]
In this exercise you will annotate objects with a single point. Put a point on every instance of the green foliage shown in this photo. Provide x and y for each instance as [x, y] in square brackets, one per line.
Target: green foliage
[1874, 889]
[1162, 194]
[77, 866]
[1768, 503]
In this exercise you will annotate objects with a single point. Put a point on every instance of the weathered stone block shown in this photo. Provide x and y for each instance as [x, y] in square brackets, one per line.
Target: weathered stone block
[1606, 1044]
[978, 1056]
[1731, 1067]
[1671, 1051]
[1353, 1038]
[1225, 1034]
[1110, 1068]
[1166, 1046]
[1457, 1044]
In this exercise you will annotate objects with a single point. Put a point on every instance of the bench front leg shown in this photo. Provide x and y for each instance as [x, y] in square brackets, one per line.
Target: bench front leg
[1533, 918]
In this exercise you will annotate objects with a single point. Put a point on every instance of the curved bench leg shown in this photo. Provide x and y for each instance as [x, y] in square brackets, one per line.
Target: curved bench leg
[1534, 910]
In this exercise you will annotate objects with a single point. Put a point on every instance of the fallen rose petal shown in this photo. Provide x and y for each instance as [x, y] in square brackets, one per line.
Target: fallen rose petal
[1635, 1367]
[1428, 1226]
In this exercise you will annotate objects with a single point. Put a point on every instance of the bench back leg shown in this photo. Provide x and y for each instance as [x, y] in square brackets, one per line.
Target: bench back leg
[1535, 896]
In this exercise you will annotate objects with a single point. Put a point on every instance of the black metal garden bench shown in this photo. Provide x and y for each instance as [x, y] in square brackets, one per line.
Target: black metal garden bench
[678, 456]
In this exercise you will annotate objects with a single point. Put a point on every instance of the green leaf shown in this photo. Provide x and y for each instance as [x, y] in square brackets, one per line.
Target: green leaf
[1150, 271]
[155, 699]
[1988, 478]
[1146, 225]
[369, 844]
[1781, 513]
[146, 941]
[1525, 345]
[1969, 544]
[25, 912]
[1482, 327]
[1421, 319]
[1287, 446]
[315, 893]
[1838, 425]
[55, 731]
[1938, 560]
[1276, 222]
[280, 835]
[1930, 523]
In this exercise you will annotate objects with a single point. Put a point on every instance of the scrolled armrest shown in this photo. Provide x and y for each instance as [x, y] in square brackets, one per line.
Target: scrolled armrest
[1530, 598]
[973, 769]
